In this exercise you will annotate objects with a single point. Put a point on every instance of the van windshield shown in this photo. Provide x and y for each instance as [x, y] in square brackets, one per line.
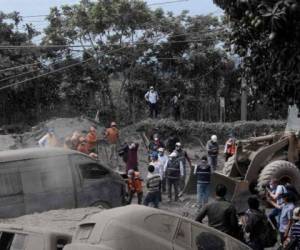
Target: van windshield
[92, 171]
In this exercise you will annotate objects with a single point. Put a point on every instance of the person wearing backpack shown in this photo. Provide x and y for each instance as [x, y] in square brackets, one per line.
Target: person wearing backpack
[254, 223]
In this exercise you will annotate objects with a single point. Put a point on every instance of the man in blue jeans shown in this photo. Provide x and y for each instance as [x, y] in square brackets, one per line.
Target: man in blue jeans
[203, 172]
[275, 192]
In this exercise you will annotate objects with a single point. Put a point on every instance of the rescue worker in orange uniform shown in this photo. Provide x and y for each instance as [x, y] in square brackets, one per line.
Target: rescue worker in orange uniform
[230, 148]
[112, 137]
[82, 146]
[91, 140]
[135, 185]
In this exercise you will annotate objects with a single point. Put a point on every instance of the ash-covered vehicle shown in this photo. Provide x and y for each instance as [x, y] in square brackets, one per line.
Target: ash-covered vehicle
[36, 180]
[140, 227]
[31, 238]
[258, 160]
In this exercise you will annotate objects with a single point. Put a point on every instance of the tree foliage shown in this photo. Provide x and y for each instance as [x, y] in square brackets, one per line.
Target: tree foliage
[266, 34]
[127, 41]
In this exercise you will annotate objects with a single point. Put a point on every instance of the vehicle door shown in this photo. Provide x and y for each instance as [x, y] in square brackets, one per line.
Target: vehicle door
[47, 184]
[182, 237]
[93, 182]
[11, 190]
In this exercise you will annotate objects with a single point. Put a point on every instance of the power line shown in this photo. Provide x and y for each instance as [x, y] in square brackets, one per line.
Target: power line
[169, 2]
[17, 67]
[39, 46]
[90, 46]
[201, 77]
[34, 16]
[151, 4]
[18, 75]
[53, 71]
[45, 74]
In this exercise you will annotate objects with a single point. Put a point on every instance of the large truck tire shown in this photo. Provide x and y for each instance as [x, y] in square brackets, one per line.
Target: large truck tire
[280, 170]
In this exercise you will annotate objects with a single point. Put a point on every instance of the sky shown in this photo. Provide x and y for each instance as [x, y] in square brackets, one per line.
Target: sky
[41, 7]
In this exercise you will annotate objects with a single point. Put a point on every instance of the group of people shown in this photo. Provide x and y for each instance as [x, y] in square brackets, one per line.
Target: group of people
[166, 173]
[285, 215]
[152, 99]
[84, 142]
[169, 163]
[255, 228]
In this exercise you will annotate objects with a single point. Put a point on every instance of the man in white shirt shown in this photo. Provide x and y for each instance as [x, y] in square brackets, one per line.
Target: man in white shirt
[276, 192]
[152, 98]
[163, 159]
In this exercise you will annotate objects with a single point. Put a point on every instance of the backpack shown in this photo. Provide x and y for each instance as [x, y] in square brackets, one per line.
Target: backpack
[269, 233]
[173, 169]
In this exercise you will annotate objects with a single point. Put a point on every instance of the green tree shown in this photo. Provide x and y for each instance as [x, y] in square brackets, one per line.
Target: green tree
[266, 34]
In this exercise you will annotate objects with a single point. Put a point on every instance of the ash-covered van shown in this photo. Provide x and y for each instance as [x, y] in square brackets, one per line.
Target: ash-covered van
[36, 180]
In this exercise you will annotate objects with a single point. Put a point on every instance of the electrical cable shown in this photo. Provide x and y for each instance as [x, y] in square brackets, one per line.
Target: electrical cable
[17, 67]
[18, 75]
[45, 74]
[53, 71]
[201, 77]
[169, 2]
[8, 47]
[151, 4]
[39, 46]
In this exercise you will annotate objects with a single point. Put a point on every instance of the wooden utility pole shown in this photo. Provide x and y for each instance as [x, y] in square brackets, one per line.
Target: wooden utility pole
[244, 100]
[222, 109]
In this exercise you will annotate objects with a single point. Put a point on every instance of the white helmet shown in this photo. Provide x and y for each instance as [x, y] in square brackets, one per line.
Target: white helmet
[214, 138]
